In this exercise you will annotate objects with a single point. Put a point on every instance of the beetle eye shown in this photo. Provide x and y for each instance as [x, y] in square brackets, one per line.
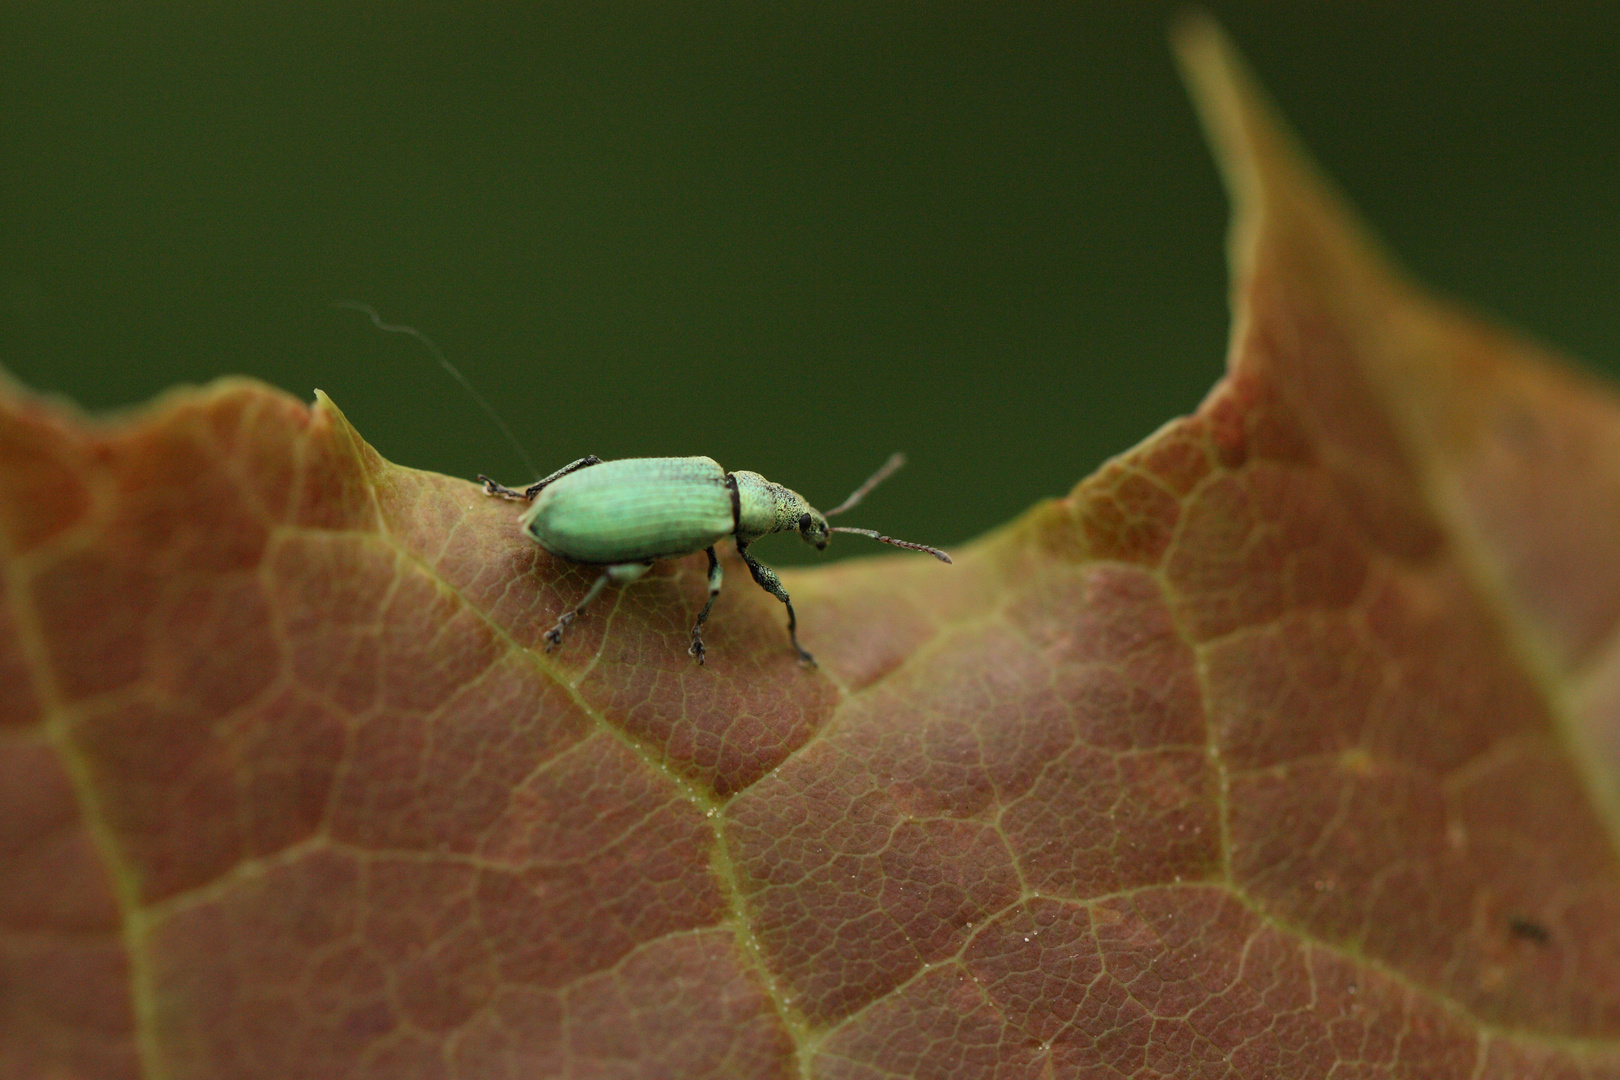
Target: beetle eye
[804, 522]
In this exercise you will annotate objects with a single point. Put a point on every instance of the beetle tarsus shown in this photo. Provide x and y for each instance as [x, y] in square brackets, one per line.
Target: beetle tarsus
[620, 572]
[554, 636]
[492, 488]
[805, 659]
[715, 577]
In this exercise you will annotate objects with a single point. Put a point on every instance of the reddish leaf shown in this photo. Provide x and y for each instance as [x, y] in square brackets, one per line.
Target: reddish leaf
[1287, 745]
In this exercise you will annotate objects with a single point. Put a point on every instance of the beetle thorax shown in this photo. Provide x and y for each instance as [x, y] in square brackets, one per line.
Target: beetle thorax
[764, 507]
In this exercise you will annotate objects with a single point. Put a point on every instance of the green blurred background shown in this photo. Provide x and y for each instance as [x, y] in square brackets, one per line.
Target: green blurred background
[791, 236]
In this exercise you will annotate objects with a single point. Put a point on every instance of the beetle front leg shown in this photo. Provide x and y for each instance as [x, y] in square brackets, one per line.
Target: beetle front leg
[621, 572]
[715, 576]
[767, 580]
[528, 493]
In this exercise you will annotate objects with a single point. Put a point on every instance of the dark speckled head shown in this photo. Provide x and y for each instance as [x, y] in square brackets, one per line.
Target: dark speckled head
[813, 528]
[764, 508]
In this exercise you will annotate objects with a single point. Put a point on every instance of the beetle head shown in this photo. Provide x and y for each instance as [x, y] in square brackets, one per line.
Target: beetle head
[813, 528]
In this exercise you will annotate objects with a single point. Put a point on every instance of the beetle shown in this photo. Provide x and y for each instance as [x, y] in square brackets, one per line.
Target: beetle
[625, 515]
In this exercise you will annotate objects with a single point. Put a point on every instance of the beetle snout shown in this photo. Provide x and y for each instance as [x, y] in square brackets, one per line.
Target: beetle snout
[813, 529]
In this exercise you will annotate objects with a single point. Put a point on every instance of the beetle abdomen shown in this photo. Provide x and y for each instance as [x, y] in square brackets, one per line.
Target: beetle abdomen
[633, 509]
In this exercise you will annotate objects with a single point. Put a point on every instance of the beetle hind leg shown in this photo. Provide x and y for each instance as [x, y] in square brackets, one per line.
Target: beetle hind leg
[715, 577]
[528, 493]
[492, 488]
[619, 572]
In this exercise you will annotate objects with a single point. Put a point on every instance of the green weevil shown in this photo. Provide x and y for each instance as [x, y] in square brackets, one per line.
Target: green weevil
[625, 515]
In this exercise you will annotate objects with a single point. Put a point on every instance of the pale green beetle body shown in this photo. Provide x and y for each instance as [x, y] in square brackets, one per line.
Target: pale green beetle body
[633, 510]
[625, 515]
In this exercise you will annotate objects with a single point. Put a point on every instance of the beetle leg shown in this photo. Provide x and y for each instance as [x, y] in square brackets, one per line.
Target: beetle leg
[573, 466]
[554, 636]
[767, 580]
[492, 488]
[715, 574]
[528, 493]
[620, 572]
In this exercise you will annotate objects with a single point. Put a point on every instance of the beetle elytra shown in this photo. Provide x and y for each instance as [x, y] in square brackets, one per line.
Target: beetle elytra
[625, 515]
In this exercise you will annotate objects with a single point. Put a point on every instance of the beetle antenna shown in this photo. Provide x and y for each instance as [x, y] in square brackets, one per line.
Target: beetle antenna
[874, 534]
[896, 460]
[454, 372]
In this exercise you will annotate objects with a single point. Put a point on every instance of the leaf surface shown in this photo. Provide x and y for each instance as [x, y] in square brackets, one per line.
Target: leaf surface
[1288, 744]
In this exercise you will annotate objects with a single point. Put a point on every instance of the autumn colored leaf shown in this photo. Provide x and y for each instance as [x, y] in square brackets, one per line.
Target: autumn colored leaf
[1288, 744]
